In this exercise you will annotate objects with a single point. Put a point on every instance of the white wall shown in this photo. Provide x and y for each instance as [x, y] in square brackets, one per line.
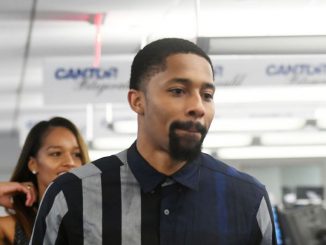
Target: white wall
[9, 152]
[276, 177]
[271, 177]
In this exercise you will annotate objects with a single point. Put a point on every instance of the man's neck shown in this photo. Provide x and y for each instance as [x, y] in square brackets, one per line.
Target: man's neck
[160, 160]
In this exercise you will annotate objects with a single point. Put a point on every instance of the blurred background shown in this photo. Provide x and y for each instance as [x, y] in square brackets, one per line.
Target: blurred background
[72, 58]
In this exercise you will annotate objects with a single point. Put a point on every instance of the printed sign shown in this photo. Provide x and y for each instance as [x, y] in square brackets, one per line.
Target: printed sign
[76, 81]
[269, 70]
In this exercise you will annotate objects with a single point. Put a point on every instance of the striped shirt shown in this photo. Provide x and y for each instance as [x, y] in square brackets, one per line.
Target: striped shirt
[121, 199]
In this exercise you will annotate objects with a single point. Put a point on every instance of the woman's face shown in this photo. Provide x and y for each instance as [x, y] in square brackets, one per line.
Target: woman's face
[58, 154]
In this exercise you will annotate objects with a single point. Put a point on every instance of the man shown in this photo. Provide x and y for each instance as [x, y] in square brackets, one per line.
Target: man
[162, 190]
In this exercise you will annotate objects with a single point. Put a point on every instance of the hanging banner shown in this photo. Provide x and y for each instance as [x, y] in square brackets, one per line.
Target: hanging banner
[76, 81]
[269, 70]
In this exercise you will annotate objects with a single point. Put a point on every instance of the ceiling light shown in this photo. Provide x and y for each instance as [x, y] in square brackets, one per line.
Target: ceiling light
[125, 126]
[273, 20]
[272, 152]
[320, 112]
[293, 138]
[214, 140]
[113, 142]
[256, 124]
[265, 93]
[96, 154]
[321, 123]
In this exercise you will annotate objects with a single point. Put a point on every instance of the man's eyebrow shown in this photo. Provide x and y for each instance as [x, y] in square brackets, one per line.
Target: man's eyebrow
[180, 80]
[209, 86]
[185, 81]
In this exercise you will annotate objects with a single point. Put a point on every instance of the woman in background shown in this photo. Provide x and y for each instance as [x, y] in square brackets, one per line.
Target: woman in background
[51, 148]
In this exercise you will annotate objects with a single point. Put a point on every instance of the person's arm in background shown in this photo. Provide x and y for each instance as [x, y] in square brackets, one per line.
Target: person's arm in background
[9, 189]
[2, 237]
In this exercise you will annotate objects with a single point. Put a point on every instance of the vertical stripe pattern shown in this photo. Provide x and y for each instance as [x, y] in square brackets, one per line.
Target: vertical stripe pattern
[265, 223]
[111, 201]
[130, 205]
[103, 203]
[54, 218]
[92, 203]
[221, 205]
[32, 236]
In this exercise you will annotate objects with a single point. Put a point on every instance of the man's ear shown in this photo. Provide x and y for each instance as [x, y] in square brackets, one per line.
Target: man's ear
[136, 101]
[32, 165]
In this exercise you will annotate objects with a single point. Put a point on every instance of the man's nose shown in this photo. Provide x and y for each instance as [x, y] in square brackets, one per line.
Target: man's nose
[196, 106]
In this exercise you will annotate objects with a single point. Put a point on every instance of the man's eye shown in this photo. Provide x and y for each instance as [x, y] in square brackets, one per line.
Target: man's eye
[208, 96]
[176, 91]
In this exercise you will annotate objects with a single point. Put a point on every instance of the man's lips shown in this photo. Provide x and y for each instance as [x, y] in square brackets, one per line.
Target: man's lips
[191, 131]
[188, 129]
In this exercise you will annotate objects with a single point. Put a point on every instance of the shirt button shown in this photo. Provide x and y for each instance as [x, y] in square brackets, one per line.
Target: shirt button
[166, 211]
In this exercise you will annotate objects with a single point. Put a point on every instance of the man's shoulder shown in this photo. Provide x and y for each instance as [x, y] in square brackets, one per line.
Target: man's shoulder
[90, 170]
[97, 167]
[220, 167]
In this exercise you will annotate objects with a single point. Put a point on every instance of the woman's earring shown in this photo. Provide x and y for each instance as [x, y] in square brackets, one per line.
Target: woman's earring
[34, 172]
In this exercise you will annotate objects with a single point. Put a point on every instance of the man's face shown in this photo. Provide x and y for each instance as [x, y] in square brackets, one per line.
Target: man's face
[178, 106]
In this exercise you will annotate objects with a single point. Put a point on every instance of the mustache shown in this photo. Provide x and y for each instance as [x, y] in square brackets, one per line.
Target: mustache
[189, 125]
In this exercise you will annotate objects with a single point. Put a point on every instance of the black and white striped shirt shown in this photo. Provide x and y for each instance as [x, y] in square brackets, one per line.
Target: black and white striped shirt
[121, 199]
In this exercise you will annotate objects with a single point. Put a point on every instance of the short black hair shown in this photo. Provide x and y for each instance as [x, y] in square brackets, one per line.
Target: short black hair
[152, 58]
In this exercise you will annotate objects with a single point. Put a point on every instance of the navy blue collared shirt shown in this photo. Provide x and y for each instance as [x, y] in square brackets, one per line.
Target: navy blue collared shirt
[121, 199]
[205, 202]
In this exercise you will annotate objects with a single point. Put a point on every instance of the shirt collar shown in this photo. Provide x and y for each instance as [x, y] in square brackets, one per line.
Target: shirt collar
[149, 178]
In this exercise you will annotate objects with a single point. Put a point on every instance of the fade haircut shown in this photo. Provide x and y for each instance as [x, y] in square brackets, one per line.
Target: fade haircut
[152, 59]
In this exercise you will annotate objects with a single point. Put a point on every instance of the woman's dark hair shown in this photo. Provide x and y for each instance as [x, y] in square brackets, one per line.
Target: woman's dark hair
[23, 215]
[152, 58]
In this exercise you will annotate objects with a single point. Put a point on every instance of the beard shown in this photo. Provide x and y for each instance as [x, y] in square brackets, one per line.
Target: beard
[187, 147]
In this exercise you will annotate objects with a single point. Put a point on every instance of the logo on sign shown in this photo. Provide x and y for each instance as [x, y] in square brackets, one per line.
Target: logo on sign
[90, 78]
[86, 73]
[299, 73]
